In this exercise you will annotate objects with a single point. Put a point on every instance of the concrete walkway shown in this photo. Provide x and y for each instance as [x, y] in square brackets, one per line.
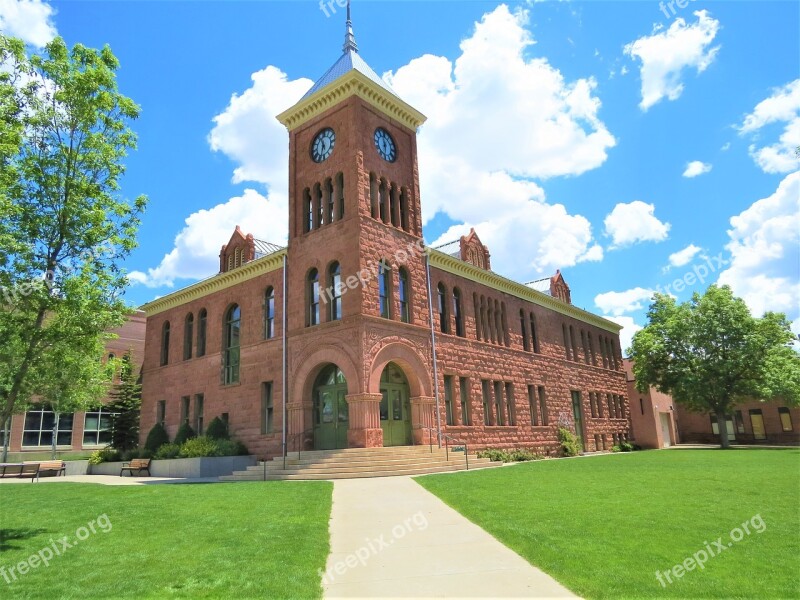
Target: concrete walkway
[390, 538]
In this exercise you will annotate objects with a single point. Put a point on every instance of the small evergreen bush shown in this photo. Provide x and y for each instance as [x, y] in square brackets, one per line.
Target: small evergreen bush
[522, 455]
[217, 430]
[167, 451]
[185, 432]
[156, 438]
[199, 447]
[495, 455]
[569, 443]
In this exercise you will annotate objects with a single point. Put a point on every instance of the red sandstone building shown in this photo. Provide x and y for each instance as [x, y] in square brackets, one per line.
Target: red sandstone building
[359, 334]
[34, 430]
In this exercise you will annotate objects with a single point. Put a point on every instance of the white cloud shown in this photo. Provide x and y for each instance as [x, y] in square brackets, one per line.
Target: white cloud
[695, 168]
[765, 252]
[197, 246]
[685, 256]
[629, 328]
[635, 222]
[782, 107]
[619, 303]
[29, 20]
[666, 54]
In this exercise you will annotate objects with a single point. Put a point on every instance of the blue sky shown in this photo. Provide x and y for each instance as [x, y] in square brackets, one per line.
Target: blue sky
[625, 143]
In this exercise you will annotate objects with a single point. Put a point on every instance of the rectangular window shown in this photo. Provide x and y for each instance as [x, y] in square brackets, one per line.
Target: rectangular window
[498, 403]
[566, 341]
[585, 347]
[448, 399]
[532, 406]
[593, 404]
[267, 409]
[40, 427]
[510, 409]
[534, 335]
[201, 333]
[198, 413]
[97, 427]
[463, 388]
[786, 418]
[487, 402]
[161, 412]
[714, 425]
[610, 403]
[739, 421]
[543, 405]
[185, 401]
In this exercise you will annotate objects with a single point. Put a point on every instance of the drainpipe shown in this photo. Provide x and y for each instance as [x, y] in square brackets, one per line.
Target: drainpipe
[285, 391]
[433, 346]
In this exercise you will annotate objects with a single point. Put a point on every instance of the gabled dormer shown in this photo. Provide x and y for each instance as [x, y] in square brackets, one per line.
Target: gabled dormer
[241, 249]
[474, 251]
[559, 288]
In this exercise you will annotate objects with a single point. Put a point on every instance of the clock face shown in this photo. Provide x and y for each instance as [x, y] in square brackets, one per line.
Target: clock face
[385, 145]
[323, 145]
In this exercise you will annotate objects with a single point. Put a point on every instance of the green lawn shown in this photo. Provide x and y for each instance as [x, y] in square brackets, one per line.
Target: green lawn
[604, 525]
[248, 540]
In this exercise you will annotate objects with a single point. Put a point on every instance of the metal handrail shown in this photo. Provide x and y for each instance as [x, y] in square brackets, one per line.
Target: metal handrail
[447, 438]
[293, 437]
[429, 430]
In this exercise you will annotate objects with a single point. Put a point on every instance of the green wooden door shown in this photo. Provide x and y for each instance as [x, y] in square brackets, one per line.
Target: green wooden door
[331, 418]
[395, 415]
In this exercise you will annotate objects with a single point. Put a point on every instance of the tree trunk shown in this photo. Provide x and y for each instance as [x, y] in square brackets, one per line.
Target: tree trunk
[5, 425]
[55, 435]
[722, 425]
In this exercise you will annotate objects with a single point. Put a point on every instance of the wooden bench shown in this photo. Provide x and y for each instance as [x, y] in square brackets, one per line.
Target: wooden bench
[136, 464]
[53, 466]
[10, 469]
[30, 470]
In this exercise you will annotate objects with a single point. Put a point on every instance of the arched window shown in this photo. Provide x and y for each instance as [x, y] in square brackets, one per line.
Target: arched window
[339, 191]
[330, 201]
[188, 336]
[232, 340]
[202, 317]
[478, 325]
[385, 290]
[534, 335]
[335, 293]
[308, 215]
[405, 306]
[269, 313]
[523, 330]
[165, 344]
[444, 318]
[312, 295]
[404, 209]
[458, 312]
[374, 199]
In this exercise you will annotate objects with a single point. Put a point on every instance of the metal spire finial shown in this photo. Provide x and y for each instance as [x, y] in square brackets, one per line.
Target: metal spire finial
[349, 36]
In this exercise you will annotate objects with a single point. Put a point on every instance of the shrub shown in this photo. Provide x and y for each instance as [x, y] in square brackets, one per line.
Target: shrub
[231, 448]
[168, 451]
[199, 447]
[616, 449]
[185, 432]
[495, 455]
[156, 438]
[217, 430]
[569, 443]
[522, 455]
[105, 455]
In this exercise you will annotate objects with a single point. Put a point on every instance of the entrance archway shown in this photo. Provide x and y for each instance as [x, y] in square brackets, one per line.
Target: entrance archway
[331, 415]
[395, 407]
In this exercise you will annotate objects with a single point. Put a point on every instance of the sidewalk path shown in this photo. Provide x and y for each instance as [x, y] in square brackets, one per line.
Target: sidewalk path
[390, 538]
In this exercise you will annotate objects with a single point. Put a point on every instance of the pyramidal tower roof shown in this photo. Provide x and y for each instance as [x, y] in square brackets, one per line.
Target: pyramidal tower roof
[349, 61]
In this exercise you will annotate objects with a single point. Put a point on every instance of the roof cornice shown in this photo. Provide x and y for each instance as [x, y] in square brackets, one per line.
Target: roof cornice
[353, 83]
[246, 272]
[455, 266]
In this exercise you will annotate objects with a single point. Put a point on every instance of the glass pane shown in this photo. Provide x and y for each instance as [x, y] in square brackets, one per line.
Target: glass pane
[344, 412]
[89, 438]
[385, 406]
[327, 407]
[64, 438]
[46, 438]
[92, 421]
[397, 406]
[105, 421]
[65, 421]
[30, 438]
[48, 420]
[32, 420]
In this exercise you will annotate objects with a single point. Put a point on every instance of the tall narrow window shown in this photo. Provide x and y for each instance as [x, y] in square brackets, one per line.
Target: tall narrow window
[448, 399]
[188, 336]
[566, 341]
[335, 281]
[330, 200]
[478, 325]
[308, 213]
[610, 403]
[510, 407]
[405, 305]
[504, 324]
[312, 295]
[543, 405]
[233, 323]
[601, 341]
[444, 318]
[385, 290]
[786, 418]
[498, 403]
[198, 413]
[593, 404]
[533, 406]
[165, 344]
[458, 313]
[404, 209]
[585, 347]
[340, 195]
[523, 331]
[463, 389]
[574, 343]
[591, 349]
[267, 408]
[534, 334]
[486, 392]
[185, 401]
[269, 313]
[161, 412]
[202, 319]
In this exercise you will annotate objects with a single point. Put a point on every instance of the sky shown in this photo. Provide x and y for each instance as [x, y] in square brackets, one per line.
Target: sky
[638, 146]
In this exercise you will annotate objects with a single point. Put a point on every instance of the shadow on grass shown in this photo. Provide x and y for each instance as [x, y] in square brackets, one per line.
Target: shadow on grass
[11, 535]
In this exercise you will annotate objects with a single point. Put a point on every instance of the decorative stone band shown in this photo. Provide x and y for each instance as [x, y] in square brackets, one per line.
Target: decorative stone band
[450, 264]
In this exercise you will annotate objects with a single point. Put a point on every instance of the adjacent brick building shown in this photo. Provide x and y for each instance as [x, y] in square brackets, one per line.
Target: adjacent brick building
[369, 337]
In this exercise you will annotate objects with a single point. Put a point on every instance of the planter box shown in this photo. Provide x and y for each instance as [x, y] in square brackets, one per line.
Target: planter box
[185, 467]
[77, 467]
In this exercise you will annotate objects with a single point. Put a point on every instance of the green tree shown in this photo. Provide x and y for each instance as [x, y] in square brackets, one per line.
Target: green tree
[710, 354]
[63, 226]
[126, 402]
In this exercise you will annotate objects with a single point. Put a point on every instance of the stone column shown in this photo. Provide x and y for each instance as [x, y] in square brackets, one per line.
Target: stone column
[365, 421]
[423, 412]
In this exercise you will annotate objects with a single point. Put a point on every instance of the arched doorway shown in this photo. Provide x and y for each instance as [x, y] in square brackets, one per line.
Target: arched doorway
[395, 407]
[331, 415]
